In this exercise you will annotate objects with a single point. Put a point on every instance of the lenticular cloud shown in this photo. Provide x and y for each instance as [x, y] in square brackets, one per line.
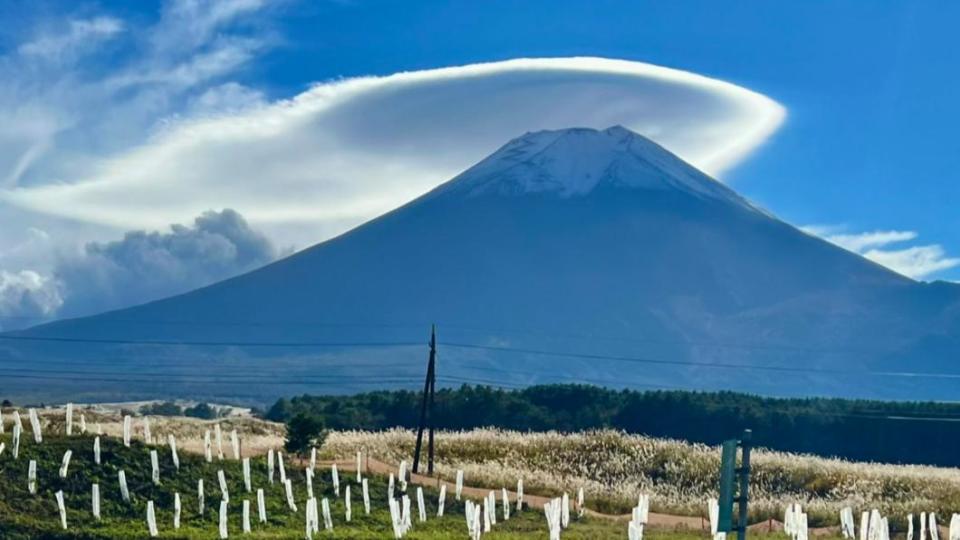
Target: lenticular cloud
[347, 150]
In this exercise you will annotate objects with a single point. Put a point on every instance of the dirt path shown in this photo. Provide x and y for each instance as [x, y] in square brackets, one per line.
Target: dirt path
[656, 520]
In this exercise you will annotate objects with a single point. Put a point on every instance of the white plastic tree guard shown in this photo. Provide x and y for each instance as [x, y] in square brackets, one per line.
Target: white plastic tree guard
[124, 491]
[441, 499]
[459, 488]
[126, 430]
[366, 496]
[223, 520]
[32, 477]
[35, 426]
[154, 467]
[261, 506]
[270, 465]
[172, 442]
[222, 480]
[335, 479]
[347, 503]
[151, 520]
[246, 475]
[62, 509]
[200, 505]
[96, 449]
[65, 463]
[95, 501]
[176, 510]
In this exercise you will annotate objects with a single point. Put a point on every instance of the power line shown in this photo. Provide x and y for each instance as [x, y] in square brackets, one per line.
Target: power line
[56, 339]
[721, 365]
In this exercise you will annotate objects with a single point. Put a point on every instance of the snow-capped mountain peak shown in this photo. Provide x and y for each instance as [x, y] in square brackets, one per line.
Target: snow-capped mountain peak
[573, 162]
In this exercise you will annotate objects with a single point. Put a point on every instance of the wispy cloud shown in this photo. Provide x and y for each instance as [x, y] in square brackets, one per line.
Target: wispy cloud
[917, 262]
[79, 34]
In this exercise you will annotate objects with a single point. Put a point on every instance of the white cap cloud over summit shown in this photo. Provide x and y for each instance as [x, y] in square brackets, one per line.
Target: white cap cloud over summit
[347, 150]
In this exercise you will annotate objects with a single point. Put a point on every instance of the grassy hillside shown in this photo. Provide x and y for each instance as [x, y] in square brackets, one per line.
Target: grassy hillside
[26, 516]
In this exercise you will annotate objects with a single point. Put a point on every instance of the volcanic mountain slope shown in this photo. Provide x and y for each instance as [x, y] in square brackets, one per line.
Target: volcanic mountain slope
[600, 245]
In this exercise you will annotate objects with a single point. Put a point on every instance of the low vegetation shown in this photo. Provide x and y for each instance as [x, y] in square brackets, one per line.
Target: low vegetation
[613, 467]
[889, 432]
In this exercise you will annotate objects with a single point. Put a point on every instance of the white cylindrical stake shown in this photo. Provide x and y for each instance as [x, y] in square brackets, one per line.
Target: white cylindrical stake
[16, 419]
[459, 488]
[506, 503]
[565, 511]
[35, 426]
[223, 519]
[151, 520]
[270, 464]
[359, 467]
[176, 510]
[63, 510]
[1, 422]
[421, 507]
[261, 506]
[441, 500]
[390, 487]
[2, 447]
[335, 477]
[283, 470]
[308, 474]
[366, 496]
[313, 458]
[493, 507]
[246, 474]
[126, 430]
[95, 501]
[147, 436]
[327, 519]
[69, 420]
[17, 430]
[124, 491]
[222, 479]
[219, 437]
[172, 441]
[402, 476]
[519, 494]
[32, 477]
[83, 424]
[235, 444]
[154, 467]
[200, 506]
[347, 503]
[96, 449]
[207, 451]
[580, 508]
[288, 486]
[65, 463]
[246, 516]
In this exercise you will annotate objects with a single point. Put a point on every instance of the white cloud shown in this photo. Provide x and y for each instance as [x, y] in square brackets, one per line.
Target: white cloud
[28, 295]
[79, 34]
[916, 262]
[146, 266]
[347, 150]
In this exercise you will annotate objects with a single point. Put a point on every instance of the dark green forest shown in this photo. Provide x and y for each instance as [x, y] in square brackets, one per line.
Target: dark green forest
[896, 432]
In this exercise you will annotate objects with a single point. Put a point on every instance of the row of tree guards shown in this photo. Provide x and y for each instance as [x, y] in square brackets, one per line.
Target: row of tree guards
[734, 480]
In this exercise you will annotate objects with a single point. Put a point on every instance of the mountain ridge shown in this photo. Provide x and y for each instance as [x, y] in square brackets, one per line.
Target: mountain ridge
[644, 280]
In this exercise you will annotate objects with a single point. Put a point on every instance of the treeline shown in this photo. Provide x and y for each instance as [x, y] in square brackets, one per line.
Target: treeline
[897, 432]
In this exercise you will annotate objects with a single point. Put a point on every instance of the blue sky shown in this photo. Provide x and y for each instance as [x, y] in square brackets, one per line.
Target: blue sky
[866, 155]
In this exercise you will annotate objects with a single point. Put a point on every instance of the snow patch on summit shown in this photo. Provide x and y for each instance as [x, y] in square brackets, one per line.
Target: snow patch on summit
[573, 162]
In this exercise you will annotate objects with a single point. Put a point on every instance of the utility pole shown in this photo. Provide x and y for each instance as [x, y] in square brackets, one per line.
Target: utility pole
[427, 400]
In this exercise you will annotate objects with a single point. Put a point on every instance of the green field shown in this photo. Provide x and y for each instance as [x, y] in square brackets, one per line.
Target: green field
[23, 515]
